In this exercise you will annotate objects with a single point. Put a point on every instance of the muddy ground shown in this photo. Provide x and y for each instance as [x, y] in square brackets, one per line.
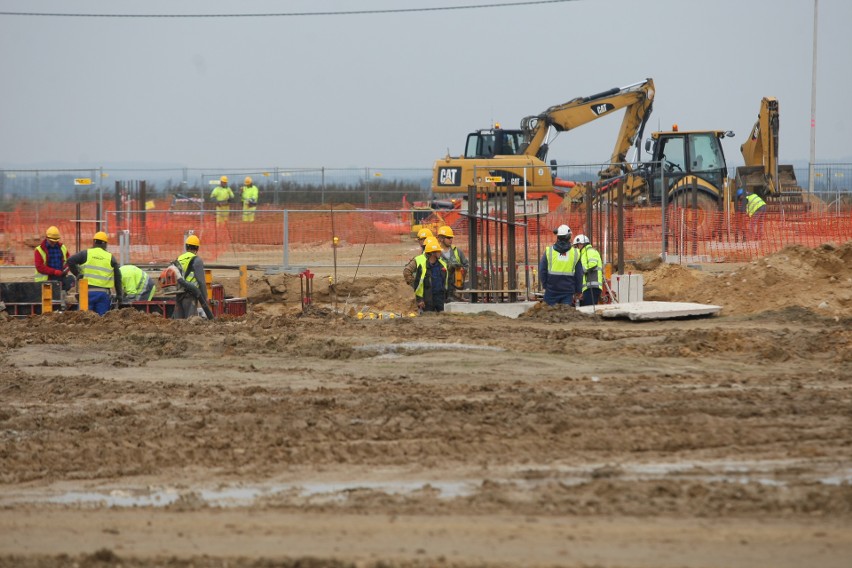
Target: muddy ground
[291, 438]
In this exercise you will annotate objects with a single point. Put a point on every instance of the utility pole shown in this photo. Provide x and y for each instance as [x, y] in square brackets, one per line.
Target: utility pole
[813, 106]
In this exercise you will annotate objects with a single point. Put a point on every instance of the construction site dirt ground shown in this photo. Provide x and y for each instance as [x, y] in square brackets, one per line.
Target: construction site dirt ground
[317, 439]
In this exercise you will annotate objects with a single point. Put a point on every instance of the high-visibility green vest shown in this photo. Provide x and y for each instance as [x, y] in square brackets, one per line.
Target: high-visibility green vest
[39, 277]
[422, 269]
[98, 268]
[249, 192]
[134, 280]
[754, 202]
[557, 264]
[184, 261]
[592, 264]
[222, 194]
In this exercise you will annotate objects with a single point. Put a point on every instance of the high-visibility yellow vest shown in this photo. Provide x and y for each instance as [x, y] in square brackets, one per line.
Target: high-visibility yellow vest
[39, 277]
[423, 269]
[222, 194]
[134, 280]
[184, 261]
[562, 264]
[249, 192]
[98, 268]
[592, 264]
[754, 202]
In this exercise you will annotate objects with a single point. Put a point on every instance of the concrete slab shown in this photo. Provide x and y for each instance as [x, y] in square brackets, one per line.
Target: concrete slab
[645, 311]
[508, 309]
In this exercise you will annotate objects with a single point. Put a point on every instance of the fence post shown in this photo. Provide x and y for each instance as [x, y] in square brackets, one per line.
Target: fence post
[286, 242]
[665, 200]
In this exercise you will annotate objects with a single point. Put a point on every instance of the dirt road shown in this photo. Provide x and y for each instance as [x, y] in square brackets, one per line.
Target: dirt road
[290, 439]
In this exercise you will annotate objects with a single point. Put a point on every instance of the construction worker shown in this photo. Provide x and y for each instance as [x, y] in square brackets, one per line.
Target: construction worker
[223, 196]
[136, 283]
[556, 269]
[249, 195]
[408, 271]
[50, 257]
[193, 288]
[588, 273]
[756, 209]
[457, 263]
[430, 278]
[101, 270]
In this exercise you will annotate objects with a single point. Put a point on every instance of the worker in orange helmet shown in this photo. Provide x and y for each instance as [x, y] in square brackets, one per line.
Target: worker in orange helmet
[249, 195]
[102, 271]
[50, 257]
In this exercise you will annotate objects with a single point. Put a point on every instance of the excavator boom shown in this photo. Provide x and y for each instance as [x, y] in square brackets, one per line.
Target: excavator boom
[637, 98]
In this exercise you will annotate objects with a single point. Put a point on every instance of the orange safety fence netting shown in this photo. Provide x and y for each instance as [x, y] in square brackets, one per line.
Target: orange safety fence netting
[158, 235]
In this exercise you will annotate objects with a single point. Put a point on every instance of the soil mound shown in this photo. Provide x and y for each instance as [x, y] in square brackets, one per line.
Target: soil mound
[816, 279]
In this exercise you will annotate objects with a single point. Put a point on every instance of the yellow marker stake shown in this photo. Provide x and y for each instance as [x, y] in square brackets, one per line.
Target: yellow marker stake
[243, 281]
[46, 298]
[208, 279]
[83, 295]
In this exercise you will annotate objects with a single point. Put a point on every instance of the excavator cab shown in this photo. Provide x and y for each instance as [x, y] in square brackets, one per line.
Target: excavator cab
[494, 142]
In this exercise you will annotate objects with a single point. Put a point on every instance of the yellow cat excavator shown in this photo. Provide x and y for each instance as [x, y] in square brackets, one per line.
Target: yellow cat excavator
[496, 157]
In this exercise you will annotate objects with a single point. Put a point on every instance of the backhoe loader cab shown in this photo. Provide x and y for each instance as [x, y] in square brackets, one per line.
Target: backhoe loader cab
[689, 159]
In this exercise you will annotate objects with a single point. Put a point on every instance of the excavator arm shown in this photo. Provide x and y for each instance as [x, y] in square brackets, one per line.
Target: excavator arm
[637, 99]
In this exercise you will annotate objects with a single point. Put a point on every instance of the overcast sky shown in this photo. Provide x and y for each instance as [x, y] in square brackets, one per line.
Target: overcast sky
[400, 89]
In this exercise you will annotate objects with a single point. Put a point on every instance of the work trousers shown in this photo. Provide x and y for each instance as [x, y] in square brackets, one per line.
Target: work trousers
[99, 301]
[591, 297]
[186, 306]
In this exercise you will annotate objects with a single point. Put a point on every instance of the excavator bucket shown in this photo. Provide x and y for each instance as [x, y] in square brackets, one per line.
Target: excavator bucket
[751, 178]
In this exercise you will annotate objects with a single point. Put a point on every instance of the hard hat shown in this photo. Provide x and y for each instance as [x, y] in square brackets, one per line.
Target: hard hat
[446, 231]
[248, 180]
[193, 241]
[223, 179]
[101, 236]
[740, 192]
[562, 231]
[431, 245]
[581, 240]
[424, 234]
[52, 233]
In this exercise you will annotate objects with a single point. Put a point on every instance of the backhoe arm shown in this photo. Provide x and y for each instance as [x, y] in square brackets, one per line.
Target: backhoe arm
[761, 148]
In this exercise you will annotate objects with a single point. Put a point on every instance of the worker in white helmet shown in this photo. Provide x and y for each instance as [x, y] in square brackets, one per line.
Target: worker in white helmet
[556, 269]
[589, 271]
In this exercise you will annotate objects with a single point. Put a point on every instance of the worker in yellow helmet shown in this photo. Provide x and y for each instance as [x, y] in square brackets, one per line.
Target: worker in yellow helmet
[193, 287]
[50, 257]
[249, 195]
[222, 196]
[457, 263]
[408, 271]
[101, 270]
[430, 278]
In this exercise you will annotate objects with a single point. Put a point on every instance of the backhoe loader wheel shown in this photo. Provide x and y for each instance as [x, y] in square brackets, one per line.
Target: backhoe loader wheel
[687, 222]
